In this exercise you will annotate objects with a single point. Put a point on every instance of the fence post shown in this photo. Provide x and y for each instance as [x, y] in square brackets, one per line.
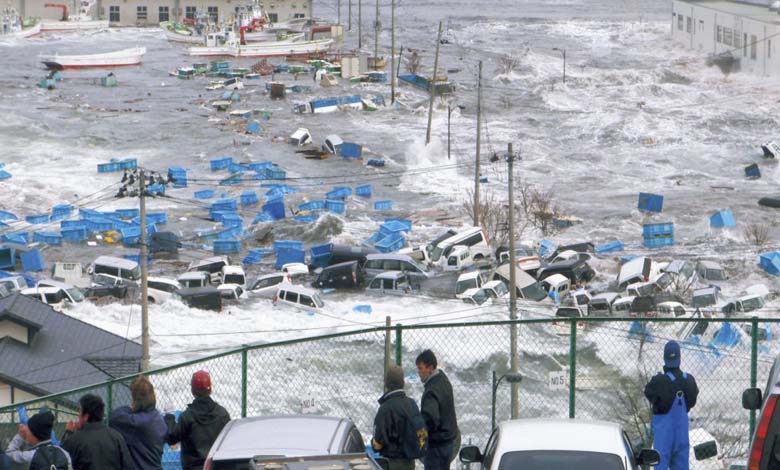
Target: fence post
[572, 365]
[109, 399]
[398, 345]
[753, 367]
[243, 380]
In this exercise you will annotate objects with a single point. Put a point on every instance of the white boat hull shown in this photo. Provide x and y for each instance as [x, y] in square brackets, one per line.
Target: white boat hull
[49, 25]
[275, 49]
[110, 59]
[25, 33]
[183, 38]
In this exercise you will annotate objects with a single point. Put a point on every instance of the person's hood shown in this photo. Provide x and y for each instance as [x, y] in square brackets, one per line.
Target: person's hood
[391, 394]
[430, 378]
[202, 410]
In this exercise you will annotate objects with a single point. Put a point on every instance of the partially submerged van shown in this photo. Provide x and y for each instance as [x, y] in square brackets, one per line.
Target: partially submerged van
[471, 237]
[204, 298]
[194, 279]
[126, 269]
[298, 297]
[527, 287]
[71, 273]
[213, 266]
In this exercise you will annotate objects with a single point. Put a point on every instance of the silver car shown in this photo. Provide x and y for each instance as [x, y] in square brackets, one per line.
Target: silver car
[378, 263]
[282, 436]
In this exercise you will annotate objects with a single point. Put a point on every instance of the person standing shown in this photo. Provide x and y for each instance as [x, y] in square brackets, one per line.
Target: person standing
[391, 421]
[672, 394]
[91, 444]
[42, 455]
[199, 425]
[142, 426]
[438, 408]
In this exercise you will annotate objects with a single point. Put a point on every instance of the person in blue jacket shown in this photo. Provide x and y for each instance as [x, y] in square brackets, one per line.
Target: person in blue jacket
[672, 394]
[142, 426]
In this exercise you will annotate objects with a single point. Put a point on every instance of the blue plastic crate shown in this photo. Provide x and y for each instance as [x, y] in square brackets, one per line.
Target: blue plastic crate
[33, 260]
[231, 233]
[224, 205]
[221, 163]
[109, 167]
[222, 247]
[390, 243]
[74, 235]
[406, 223]
[21, 238]
[217, 216]
[610, 247]
[155, 189]
[289, 256]
[288, 245]
[546, 247]
[7, 257]
[4, 175]
[256, 255]
[306, 219]
[259, 166]
[321, 250]
[653, 230]
[38, 219]
[274, 209]
[248, 198]
[100, 226]
[657, 242]
[179, 177]
[363, 191]
[49, 238]
[339, 192]
[4, 215]
[337, 207]
[351, 150]
[61, 211]
[650, 202]
[232, 220]
[313, 206]
[376, 162]
[275, 173]
[237, 167]
[752, 171]
[128, 164]
[722, 219]
[127, 213]
[73, 224]
[770, 262]
[231, 181]
[204, 194]
[383, 205]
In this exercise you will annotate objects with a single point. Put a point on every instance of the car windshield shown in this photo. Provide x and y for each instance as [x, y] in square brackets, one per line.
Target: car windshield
[318, 301]
[534, 292]
[715, 275]
[752, 304]
[436, 253]
[500, 289]
[560, 459]
[664, 280]
[134, 273]
[703, 300]
[103, 280]
[233, 279]
[75, 294]
[479, 297]
[465, 285]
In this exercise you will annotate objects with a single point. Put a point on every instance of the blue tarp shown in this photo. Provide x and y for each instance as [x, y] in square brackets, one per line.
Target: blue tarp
[728, 336]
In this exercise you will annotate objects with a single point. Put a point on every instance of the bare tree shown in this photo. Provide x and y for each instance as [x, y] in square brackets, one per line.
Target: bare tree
[632, 410]
[757, 234]
[494, 216]
[539, 208]
[507, 64]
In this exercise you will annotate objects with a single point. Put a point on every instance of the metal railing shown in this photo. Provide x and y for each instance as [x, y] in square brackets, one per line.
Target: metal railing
[593, 368]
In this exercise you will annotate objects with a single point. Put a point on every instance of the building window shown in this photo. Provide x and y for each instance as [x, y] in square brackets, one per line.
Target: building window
[720, 34]
[273, 17]
[688, 23]
[113, 13]
[680, 22]
[299, 15]
[753, 41]
[744, 45]
[163, 14]
[728, 36]
[190, 13]
[701, 26]
[140, 12]
[214, 14]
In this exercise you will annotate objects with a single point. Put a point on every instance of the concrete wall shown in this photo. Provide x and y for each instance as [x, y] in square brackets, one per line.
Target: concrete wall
[13, 330]
[7, 391]
[714, 31]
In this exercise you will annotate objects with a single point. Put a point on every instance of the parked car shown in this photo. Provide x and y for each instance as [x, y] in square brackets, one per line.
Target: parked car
[744, 304]
[159, 289]
[233, 275]
[475, 296]
[638, 289]
[282, 436]
[639, 269]
[298, 297]
[119, 267]
[677, 275]
[496, 289]
[527, 287]
[55, 297]
[581, 248]
[557, 286]
[502, 253]
[204, 298]
[671, 310]
[622, 307]
[710, 271]
[379, 263]
[417, 253]
[162, 244]
[72, 293]
[343, 253]
[104, 285]
[340, 276]
[213, 266]
[764, 453]
[266, 286]
[569, 255]
[195, 279]
[542, 444]
[567, 312]
[392, 283]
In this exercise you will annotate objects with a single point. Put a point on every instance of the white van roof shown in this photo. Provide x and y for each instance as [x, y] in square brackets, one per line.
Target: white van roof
[233, 269]
[208, 261]
[296, 288]
[53, 283]
[522, 278]
[299, 133]
[120, 263]
[458, 237]
[193, 275]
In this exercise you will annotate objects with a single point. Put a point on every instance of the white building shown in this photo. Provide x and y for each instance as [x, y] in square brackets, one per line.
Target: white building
[152, 12]
[748, 32]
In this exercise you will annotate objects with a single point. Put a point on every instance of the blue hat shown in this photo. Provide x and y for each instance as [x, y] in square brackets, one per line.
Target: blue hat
[672, 355]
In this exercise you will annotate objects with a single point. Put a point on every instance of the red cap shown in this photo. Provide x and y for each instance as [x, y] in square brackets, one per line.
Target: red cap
[201, 380]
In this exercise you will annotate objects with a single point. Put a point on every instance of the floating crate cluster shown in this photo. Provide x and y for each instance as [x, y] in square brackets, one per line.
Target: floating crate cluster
[658, 235]
[390, 236]
[117, 165]
[289, 251]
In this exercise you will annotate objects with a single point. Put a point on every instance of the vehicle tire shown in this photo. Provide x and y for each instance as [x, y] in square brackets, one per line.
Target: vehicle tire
[150, 300]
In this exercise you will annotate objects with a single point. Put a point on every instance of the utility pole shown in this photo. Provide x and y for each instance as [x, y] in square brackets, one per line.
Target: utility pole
[392, 52]
[449, 116]
[360, 24]
[433, 87]
[515, 405]
[338, 7]
[479, 136]
[144, 274]
[376, 37]
[349, 16]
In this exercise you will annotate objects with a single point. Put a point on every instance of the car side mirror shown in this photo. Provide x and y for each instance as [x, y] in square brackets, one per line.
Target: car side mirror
[470, 454]
[751, 399]
[705, 450]
[648, 457]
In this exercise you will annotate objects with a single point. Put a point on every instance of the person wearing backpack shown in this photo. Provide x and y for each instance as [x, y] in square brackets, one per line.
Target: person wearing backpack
[43, 455]
[400, 435]
[438, 407]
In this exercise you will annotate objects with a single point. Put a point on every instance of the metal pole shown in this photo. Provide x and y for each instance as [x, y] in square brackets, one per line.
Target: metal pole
[479, 137]
[360, 24]
[753, 368]
[513, 362]
[398, 345]
[572, 366]
[449, 116]
[564, 66]
[388, 328]
[144, 274]
[376, 37]
[433, 87]
[400, 56]
[244, 368]
[493, 414]
[392, 52]
[338, 7]
[349, 16]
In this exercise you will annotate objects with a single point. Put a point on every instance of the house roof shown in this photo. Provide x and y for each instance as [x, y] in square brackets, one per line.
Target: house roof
[66, 353]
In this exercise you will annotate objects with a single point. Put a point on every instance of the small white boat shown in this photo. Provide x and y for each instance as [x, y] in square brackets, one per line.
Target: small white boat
[264, 49]
[73, 25]
[109, 59]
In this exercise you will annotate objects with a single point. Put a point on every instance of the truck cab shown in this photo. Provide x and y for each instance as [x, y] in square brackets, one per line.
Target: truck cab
[470, 280]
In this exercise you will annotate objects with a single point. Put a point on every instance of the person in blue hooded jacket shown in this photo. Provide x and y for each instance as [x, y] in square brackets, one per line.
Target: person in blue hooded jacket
[672, 394]
[142, 426]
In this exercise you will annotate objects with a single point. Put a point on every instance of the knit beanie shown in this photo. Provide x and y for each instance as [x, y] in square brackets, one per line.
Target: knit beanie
[41, 424]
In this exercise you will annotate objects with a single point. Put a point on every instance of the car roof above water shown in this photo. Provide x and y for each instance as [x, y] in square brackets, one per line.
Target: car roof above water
[560, 434]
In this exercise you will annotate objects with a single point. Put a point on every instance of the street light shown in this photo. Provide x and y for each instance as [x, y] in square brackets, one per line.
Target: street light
[562, 51]
[512, 378]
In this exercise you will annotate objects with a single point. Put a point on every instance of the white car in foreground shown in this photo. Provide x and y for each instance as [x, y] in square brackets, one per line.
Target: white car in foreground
[542, 444]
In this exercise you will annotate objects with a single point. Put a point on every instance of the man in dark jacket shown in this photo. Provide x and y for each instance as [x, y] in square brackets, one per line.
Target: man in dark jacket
[91, 444]
[142, 426]
[41, 453]
[672, 394]
[199, 425]
[438, 407]
[390, 421]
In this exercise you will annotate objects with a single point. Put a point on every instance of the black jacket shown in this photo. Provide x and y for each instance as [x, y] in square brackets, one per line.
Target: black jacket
[48, 456]
[438, 407]
[97, 447]
[197, 429]
[390, 424]
[660, 391]
[144, 432]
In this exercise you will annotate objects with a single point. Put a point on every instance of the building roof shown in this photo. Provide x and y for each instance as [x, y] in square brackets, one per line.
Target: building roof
[755, 12]
[64, 354]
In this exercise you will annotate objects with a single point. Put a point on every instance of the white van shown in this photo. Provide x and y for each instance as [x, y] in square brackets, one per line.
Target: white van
[298, 297]
[13, 283]
[55, 297]
[72, 273]
[159, 289]
[462, 257]
[474, 236]
[119, 267]
[234, 275]
[194, 279]
[300, 137]
[213, 266]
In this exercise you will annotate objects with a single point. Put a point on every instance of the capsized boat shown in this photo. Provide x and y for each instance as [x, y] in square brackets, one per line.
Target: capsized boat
[109, 59]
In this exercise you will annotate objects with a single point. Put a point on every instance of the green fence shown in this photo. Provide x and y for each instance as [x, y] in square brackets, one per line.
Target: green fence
[592, 368]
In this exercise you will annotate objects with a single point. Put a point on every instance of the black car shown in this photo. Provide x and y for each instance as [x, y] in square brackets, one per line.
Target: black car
[205, 298]
[343, 253]
[579, 272]
[340, 276]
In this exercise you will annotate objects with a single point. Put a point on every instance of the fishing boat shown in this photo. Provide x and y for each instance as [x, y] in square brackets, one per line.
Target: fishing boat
[227, 45]
[178, 32]
[81, 22]
[13, 27]
[109, 59]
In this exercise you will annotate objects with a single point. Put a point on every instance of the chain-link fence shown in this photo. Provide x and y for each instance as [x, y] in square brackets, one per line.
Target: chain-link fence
[592, 368]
